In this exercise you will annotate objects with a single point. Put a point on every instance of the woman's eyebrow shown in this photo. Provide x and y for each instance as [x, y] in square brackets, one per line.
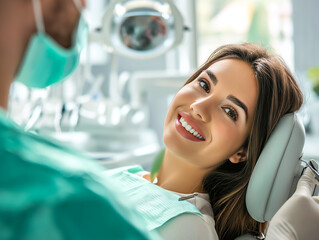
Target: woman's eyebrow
[238, 103]
[212, 76]
[232, 98]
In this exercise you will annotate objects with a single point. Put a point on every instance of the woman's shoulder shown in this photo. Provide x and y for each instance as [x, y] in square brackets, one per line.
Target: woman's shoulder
[200, 200]
[188, 226]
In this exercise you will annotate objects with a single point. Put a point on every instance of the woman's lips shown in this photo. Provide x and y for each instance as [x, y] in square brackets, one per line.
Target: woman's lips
[186, 134]
[192, 122]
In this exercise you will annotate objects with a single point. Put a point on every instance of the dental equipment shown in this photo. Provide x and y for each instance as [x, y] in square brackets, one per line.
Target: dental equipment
[277, 171]
[140, 29]
[35, 115]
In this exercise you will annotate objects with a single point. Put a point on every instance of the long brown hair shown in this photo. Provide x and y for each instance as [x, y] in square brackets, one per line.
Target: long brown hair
[278, 94]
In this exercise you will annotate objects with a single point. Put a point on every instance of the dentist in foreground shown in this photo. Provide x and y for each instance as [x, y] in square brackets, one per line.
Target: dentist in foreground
[48, 191]
[51, 192]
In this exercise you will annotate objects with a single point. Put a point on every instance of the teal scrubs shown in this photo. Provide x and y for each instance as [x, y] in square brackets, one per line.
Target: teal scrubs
[48, 191]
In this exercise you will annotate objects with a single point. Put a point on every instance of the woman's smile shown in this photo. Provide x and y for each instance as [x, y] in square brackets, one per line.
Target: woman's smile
[188, 128]
[218, 105]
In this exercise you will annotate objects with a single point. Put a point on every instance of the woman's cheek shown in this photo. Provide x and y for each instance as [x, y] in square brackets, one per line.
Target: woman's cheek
[186, 92]
[223, 133]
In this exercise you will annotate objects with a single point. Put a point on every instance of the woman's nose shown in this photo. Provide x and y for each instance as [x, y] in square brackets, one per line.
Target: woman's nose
[201, 109]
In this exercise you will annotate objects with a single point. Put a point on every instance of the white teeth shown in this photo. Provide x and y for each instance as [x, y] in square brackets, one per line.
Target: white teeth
[190, 129]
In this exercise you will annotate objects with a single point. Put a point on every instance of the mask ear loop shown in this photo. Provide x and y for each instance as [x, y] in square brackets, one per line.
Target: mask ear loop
[38, 15]
[78, 5]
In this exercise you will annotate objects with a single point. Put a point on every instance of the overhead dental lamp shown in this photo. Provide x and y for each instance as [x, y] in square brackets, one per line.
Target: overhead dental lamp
[141, 29]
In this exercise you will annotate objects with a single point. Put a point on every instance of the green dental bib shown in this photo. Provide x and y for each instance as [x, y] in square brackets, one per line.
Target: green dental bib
[155, 204]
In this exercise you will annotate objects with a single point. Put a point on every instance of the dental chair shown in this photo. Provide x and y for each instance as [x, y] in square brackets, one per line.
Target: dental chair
[277, 171]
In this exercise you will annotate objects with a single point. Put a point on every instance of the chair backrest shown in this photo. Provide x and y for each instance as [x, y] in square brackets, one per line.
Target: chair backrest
[277, 170]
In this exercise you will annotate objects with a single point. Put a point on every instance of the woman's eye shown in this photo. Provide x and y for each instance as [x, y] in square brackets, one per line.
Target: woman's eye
[204, 85]
[231, 113]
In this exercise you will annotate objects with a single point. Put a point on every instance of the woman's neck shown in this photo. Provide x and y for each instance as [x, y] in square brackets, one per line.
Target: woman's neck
[178, 175]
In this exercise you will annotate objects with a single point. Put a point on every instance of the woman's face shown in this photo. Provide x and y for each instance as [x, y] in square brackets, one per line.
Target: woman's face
[218, 107]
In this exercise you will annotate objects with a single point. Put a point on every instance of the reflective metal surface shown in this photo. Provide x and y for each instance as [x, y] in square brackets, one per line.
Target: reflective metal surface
[143, 32]
[142, 28]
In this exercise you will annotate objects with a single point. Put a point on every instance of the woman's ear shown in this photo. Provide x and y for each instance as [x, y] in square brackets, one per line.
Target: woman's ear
[239, 156]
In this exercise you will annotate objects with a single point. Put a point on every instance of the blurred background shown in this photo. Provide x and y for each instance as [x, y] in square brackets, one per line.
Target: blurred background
[140, 52]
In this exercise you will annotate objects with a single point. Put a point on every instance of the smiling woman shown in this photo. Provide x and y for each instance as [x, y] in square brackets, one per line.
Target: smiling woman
[217, 126]
[217, 110]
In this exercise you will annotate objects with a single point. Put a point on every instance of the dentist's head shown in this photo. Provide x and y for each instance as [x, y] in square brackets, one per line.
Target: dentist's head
[218, 124]
[41, 42]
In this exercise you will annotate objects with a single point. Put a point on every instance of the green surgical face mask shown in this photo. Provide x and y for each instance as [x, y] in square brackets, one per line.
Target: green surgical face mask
[46, 62]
